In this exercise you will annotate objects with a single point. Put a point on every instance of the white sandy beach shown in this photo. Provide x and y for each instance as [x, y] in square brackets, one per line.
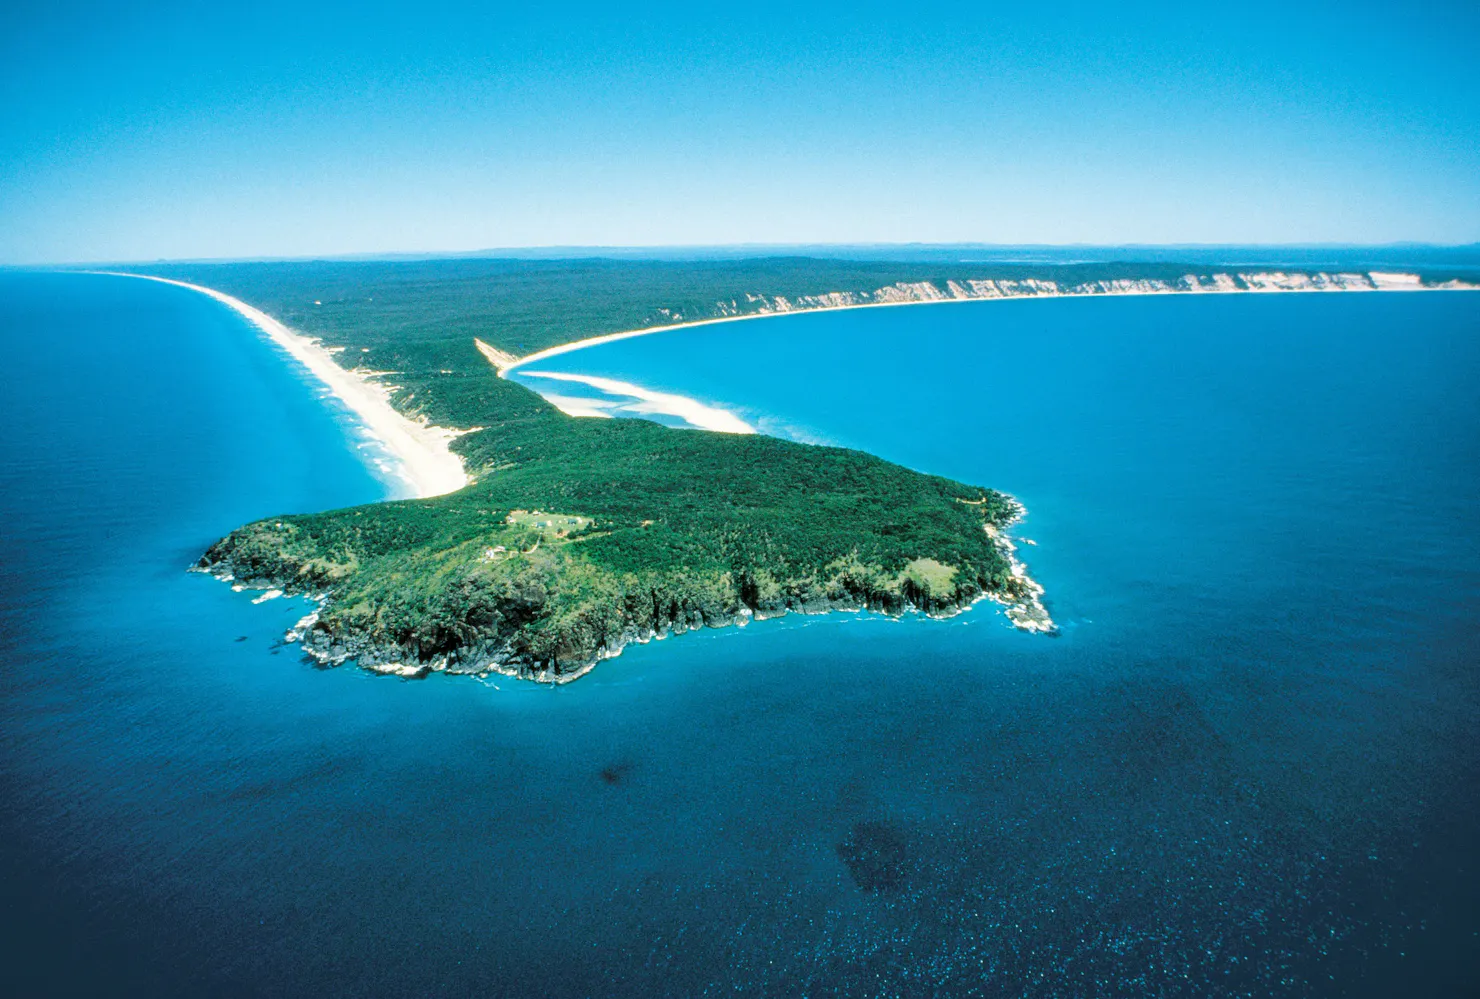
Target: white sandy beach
[649, 403]
[698, 414]
[1259, 282]
[422, 456]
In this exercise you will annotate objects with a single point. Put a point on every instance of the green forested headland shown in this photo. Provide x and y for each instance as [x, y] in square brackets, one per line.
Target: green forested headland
[579, 535]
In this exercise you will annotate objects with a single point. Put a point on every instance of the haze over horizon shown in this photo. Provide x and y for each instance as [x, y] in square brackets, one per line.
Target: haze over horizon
[139, 131]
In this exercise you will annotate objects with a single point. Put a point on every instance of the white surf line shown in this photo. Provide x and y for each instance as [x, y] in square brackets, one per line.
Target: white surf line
[691, 411]
[423, 459]
[1263, 282]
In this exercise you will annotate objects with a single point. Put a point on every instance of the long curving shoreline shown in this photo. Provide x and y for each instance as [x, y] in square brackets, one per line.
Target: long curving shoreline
[424, 459]
[925, 293]
[422, 454]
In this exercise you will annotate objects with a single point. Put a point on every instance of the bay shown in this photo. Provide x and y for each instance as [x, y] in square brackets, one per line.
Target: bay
[1247, 765]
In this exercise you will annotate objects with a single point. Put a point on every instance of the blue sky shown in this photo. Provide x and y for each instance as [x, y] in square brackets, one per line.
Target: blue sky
[133, 132]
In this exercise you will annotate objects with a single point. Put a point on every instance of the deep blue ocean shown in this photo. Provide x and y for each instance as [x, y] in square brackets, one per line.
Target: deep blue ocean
[1248, 766]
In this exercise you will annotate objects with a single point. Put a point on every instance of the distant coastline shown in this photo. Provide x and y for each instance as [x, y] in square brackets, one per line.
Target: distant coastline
[927, 293]
[425, 462]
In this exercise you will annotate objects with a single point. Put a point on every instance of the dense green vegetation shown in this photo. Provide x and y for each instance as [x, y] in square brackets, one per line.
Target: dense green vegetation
[419, 318]
[401, 309]
[688, 528]
[677, 528]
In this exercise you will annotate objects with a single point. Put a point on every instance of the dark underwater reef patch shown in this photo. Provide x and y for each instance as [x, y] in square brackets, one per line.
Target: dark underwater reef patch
[874, 854]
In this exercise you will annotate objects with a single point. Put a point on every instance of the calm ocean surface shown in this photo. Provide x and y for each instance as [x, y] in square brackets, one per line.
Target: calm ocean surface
[1249, 766]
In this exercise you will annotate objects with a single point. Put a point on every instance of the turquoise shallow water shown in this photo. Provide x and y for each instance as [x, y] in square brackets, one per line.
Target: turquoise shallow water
[1247, 766]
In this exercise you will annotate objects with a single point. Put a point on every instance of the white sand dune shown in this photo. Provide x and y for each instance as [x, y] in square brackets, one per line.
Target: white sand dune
[422, 456]
[649, 403]
[926, 293]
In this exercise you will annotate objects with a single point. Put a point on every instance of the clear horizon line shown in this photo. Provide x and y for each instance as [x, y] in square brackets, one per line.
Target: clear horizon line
[556, 251]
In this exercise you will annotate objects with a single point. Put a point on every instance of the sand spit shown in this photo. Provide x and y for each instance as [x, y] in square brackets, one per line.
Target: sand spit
[648, 403]
[500, 359]
[424, 459]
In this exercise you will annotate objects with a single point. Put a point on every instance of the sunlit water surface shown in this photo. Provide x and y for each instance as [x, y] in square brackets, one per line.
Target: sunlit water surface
[1248, 766]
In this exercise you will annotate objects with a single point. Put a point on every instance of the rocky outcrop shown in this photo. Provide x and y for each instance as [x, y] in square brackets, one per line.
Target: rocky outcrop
[551, 618]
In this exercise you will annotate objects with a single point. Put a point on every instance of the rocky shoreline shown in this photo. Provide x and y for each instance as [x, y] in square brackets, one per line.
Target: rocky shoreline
[1023, 608]
[1027, 611]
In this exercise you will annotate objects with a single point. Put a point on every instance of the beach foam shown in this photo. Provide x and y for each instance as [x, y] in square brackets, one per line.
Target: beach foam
[423, 458]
